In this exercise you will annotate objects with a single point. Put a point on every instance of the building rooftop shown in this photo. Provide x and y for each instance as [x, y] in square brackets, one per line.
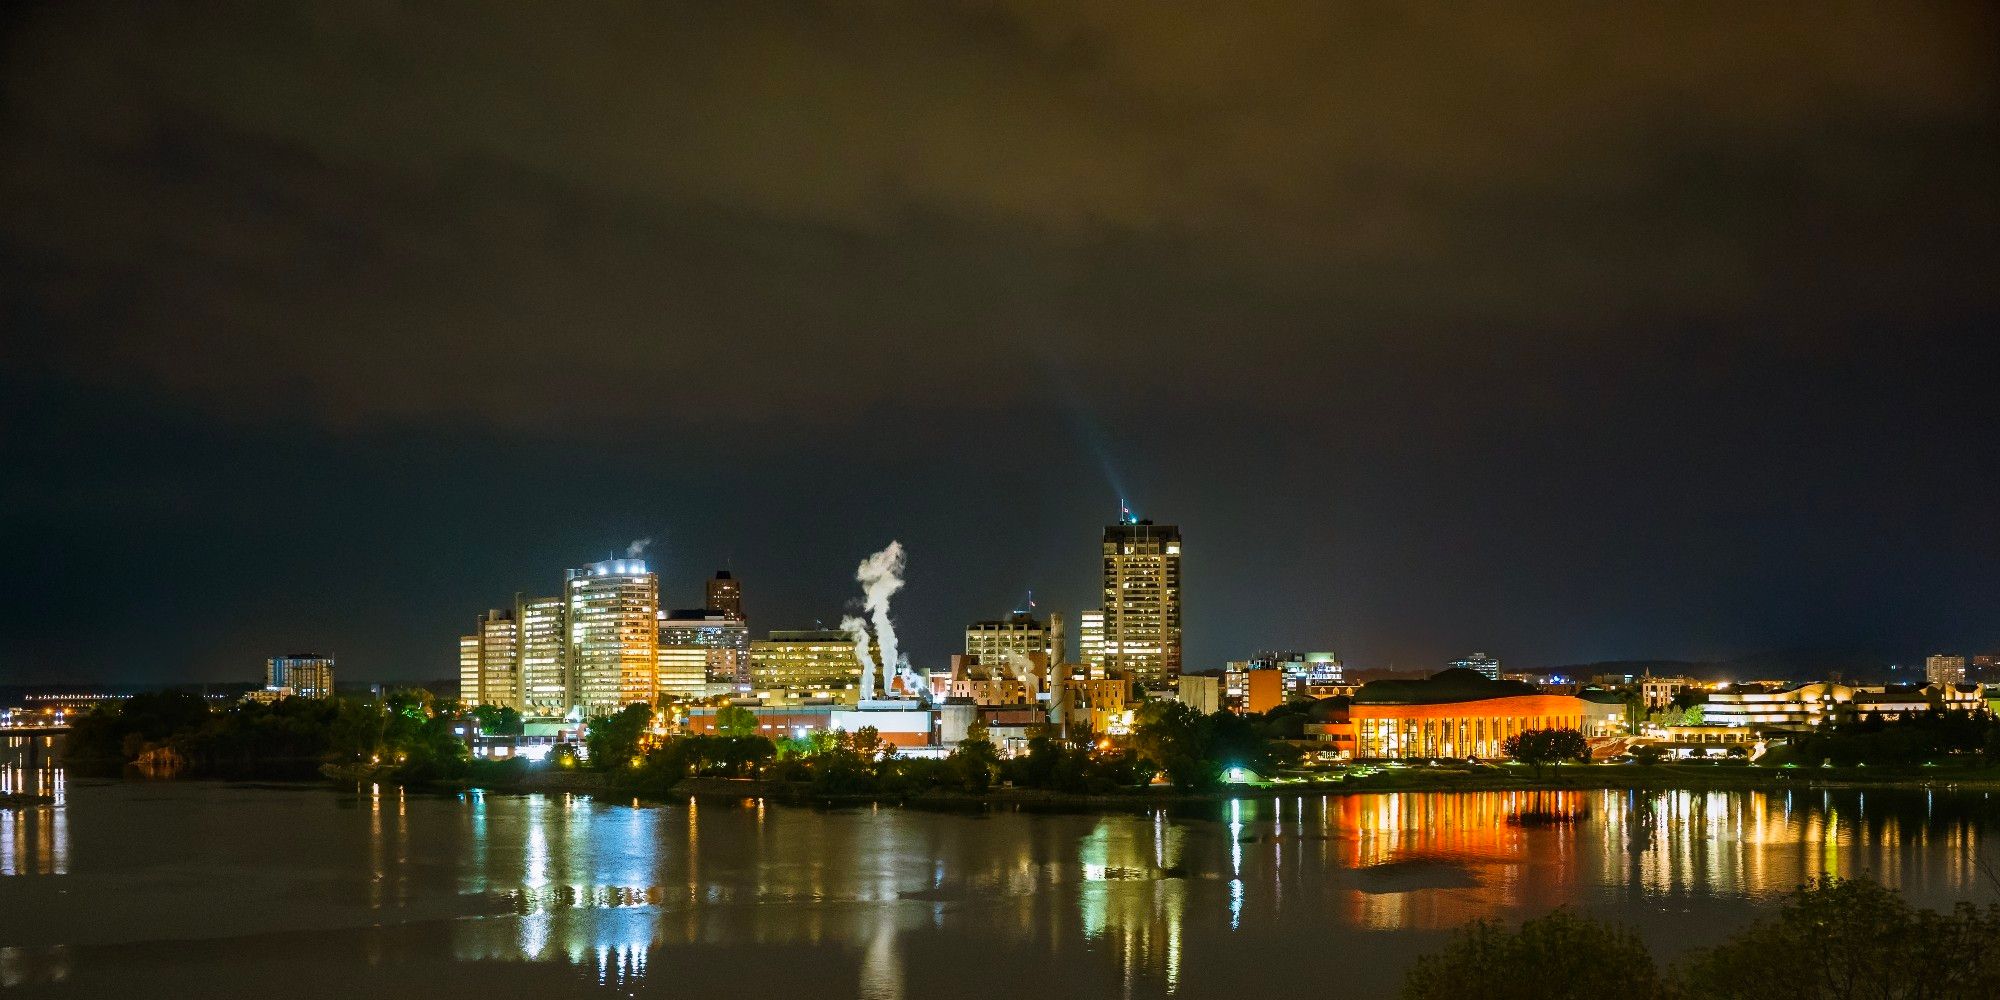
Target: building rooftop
[811, 635]
[1457, 684]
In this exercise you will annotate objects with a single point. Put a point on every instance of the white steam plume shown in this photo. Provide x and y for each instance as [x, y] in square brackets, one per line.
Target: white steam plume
[638, 547]
[914, 686]
[880, 576]
[859, 630]
[1023, 669]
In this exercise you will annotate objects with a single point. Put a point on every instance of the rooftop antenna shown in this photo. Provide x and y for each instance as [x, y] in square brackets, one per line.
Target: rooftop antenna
[1125, 515]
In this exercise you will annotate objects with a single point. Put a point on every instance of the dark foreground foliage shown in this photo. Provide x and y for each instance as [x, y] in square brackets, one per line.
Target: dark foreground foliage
[288, 739]
[1835, 939]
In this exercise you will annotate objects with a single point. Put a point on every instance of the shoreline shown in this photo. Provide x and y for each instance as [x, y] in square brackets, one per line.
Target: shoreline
[1605, 779]
[1570, 778]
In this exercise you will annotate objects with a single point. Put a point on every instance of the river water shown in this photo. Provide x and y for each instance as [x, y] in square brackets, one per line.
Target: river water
[206, 889]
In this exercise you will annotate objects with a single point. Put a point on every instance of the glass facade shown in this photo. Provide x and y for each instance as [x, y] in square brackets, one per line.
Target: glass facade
[614, 609]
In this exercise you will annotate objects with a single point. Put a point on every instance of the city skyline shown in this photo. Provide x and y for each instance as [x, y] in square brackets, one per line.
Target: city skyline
[513, 677]
[1559, 334]
[898, 500]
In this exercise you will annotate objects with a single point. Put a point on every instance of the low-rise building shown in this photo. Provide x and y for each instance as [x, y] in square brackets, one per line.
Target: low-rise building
[1263, 689]
[1201, 693]
[1798, 706]
[1605, 713]
[1095, 707]
[1803, 706]
[806, 661]
[1660, 692]
[1458, 713]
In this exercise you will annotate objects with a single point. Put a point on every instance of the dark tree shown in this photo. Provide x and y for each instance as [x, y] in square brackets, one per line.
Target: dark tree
[1537, 747]
[614, 739]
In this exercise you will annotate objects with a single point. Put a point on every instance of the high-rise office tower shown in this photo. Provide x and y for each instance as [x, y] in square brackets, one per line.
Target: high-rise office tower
[1090, 641]
[613, 612]
[992, 642]
[1943, 668]
[468, 669]
[1142, 601]
[499, 650]
[309, 675]
[725, 594]
[542, 663]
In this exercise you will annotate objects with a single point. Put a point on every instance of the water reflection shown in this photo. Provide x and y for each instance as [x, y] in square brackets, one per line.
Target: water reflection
[1128, 888]
[24, 966]
[34, 840]
[891, 903]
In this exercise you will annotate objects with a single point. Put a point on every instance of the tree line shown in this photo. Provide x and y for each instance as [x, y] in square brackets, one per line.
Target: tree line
[406, 736]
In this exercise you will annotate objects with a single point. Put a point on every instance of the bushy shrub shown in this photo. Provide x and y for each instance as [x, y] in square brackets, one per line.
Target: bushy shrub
[1557, 957]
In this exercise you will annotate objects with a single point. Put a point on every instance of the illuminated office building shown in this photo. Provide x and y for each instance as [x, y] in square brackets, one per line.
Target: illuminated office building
[725, 595]
[722, 642]
[542, 660]
[499, 650]
[1943, 668]
[309, 675]
[683, 671]
[468, 669]
[990, 643]
[805, 660]
[1480, 663]
[613, 610]
[1090, 641]
[1142, 602]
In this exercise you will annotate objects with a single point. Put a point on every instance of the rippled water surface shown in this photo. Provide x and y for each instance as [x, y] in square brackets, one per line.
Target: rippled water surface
[202, 889]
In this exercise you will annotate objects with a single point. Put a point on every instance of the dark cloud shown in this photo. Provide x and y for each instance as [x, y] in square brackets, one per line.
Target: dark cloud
[403, 209]
[1578, 326]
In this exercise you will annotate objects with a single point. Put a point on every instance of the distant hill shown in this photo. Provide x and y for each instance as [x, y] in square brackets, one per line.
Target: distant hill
[1799, 664]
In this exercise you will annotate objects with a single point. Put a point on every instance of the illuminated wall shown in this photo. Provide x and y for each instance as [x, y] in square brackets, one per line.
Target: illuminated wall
[1460, 728]
[1264, 690]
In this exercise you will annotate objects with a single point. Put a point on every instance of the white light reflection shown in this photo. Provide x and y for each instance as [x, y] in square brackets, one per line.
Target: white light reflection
[1235, 863]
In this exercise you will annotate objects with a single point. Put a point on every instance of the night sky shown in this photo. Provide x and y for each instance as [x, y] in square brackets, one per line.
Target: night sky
[1562, 331]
